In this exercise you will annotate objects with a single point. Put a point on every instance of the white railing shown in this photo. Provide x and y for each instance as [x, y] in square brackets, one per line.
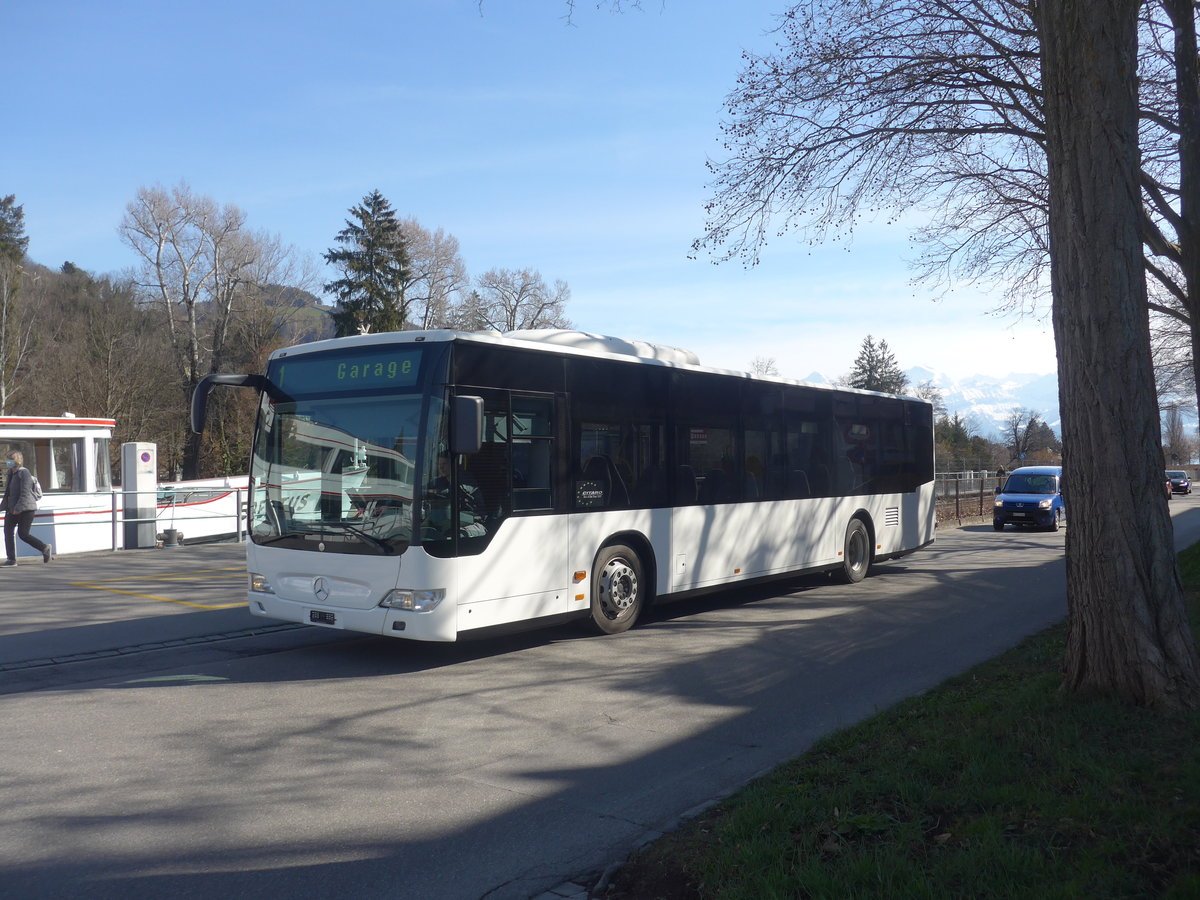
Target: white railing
[79, 522]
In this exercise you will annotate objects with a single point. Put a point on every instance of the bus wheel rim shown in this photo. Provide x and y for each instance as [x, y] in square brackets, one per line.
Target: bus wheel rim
[618, 588]
[856, 552]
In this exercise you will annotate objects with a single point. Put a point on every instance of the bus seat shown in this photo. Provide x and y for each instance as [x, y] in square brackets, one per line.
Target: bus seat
[596, 470]
[489, 468]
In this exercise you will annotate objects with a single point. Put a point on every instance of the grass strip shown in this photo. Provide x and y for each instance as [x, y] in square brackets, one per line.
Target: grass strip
[992, 785]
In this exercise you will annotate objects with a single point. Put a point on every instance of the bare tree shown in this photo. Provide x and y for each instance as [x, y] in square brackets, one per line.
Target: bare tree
[1177, 446]
[437, 275]
[1019, 428]
[509, 300]
[469, 314]
[16, 322]
[927, 390]
[201, 267]
[764, 365]
[17, 334]
[1128, 633]
[893, 105]
[116, 352]
[1169, 90]
[883, 104]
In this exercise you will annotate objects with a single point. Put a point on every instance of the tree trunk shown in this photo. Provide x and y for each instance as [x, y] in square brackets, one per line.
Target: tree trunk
[1128, 629]
[1187, 95]
[191, 455]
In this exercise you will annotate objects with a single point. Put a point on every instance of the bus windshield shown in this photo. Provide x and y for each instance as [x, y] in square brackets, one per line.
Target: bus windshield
[337, 473]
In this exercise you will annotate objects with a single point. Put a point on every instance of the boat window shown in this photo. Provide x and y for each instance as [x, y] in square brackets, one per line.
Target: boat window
[103, 465]
[56, 462]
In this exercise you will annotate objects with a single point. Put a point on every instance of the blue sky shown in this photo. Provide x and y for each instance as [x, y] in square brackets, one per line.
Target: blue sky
[575, 149]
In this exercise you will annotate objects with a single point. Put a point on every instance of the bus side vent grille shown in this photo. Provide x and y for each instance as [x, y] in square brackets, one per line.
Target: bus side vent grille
[891, 516]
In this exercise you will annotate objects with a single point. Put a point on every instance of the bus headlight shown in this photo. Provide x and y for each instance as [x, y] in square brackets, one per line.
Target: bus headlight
[259, 584]
[413, 601]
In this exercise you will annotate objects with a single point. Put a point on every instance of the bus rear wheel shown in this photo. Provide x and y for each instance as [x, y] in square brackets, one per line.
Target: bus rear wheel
[618, 589]
[856, 554]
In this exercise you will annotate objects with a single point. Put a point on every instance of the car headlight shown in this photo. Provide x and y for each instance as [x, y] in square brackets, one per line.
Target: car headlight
[999, 503]
[259, 584]
[413, 601]
[1046, 504]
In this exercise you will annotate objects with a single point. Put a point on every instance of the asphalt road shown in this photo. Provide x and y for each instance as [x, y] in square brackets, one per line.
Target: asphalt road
[159, 741]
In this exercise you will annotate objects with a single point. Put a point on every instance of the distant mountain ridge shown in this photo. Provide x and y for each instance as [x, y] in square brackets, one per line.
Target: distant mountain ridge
[987, 400]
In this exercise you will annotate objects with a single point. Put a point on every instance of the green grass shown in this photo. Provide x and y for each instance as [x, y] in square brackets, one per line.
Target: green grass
[995, 784]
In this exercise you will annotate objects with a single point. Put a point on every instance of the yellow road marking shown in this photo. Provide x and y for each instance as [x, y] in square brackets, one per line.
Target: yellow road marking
[100, 585]
[240, 570]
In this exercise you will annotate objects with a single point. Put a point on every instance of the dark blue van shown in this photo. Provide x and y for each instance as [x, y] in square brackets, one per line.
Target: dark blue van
[1032, 496]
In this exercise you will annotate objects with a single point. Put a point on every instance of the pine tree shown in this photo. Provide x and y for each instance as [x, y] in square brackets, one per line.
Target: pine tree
[13, 241]
[16, 336]
[875, 369]
[374, 263]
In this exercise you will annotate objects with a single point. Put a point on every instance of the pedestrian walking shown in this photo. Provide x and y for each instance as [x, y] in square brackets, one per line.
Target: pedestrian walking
[19, 505]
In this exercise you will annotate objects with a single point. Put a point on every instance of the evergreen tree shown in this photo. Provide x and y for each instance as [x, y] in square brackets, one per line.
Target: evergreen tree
[876, 369]
[1042, 437]
[16, 326]
[13, 241]
[373, 259]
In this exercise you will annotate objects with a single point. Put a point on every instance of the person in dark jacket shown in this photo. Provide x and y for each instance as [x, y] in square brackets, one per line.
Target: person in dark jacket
[19, 506]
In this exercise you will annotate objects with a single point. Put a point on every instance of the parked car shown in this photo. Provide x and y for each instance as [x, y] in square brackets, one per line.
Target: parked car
[1167, 487]
[1180, 482]
[1031, 496]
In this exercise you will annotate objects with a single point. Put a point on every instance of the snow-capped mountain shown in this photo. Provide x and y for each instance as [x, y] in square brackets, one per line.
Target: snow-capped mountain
[987, 400]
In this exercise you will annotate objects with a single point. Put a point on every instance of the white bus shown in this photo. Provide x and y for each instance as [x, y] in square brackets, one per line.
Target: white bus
[434, 485]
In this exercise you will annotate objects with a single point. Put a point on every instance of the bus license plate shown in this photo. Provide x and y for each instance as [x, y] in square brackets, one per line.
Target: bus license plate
[320, 617]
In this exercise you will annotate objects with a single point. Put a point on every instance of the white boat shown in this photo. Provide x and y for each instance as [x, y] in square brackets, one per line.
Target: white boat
[81, 511]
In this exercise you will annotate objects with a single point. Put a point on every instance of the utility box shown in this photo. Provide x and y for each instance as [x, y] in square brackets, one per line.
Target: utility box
[139, 483]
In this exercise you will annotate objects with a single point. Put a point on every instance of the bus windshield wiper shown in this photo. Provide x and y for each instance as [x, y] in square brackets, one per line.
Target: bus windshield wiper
[380, 544]
[288, 531]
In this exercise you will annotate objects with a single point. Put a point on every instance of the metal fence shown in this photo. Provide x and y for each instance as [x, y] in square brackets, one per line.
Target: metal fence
[83, 522]
[959, 496]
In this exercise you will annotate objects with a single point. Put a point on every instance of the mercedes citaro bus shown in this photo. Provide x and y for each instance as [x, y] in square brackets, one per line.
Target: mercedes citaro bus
[434, 485]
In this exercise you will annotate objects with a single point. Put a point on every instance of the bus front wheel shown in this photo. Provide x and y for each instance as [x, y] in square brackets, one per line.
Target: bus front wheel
[856, 554]
[618, 589]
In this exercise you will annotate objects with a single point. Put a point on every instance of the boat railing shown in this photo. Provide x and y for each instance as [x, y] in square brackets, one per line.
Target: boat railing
[162, 517]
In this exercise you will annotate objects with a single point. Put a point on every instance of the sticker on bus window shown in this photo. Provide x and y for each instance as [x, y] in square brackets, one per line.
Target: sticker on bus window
[588, 494]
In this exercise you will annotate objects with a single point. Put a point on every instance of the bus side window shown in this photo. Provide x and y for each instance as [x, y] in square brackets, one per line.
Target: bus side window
[532, 452]
[490, 466]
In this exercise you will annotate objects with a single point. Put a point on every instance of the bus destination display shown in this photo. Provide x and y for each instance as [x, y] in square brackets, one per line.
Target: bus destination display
[362, 370]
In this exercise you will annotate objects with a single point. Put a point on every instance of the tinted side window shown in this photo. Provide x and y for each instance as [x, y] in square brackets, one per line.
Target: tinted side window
[483, 365]
[806, 464]
[618, 434]
[706, 411]
[532, 452]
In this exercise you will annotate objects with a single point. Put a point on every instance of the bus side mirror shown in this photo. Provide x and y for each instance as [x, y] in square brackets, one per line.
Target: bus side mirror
[466, 425]
[208, 382]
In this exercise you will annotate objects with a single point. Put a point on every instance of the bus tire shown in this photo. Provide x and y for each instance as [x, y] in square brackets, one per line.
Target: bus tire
[856, 553]
[618, 589]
